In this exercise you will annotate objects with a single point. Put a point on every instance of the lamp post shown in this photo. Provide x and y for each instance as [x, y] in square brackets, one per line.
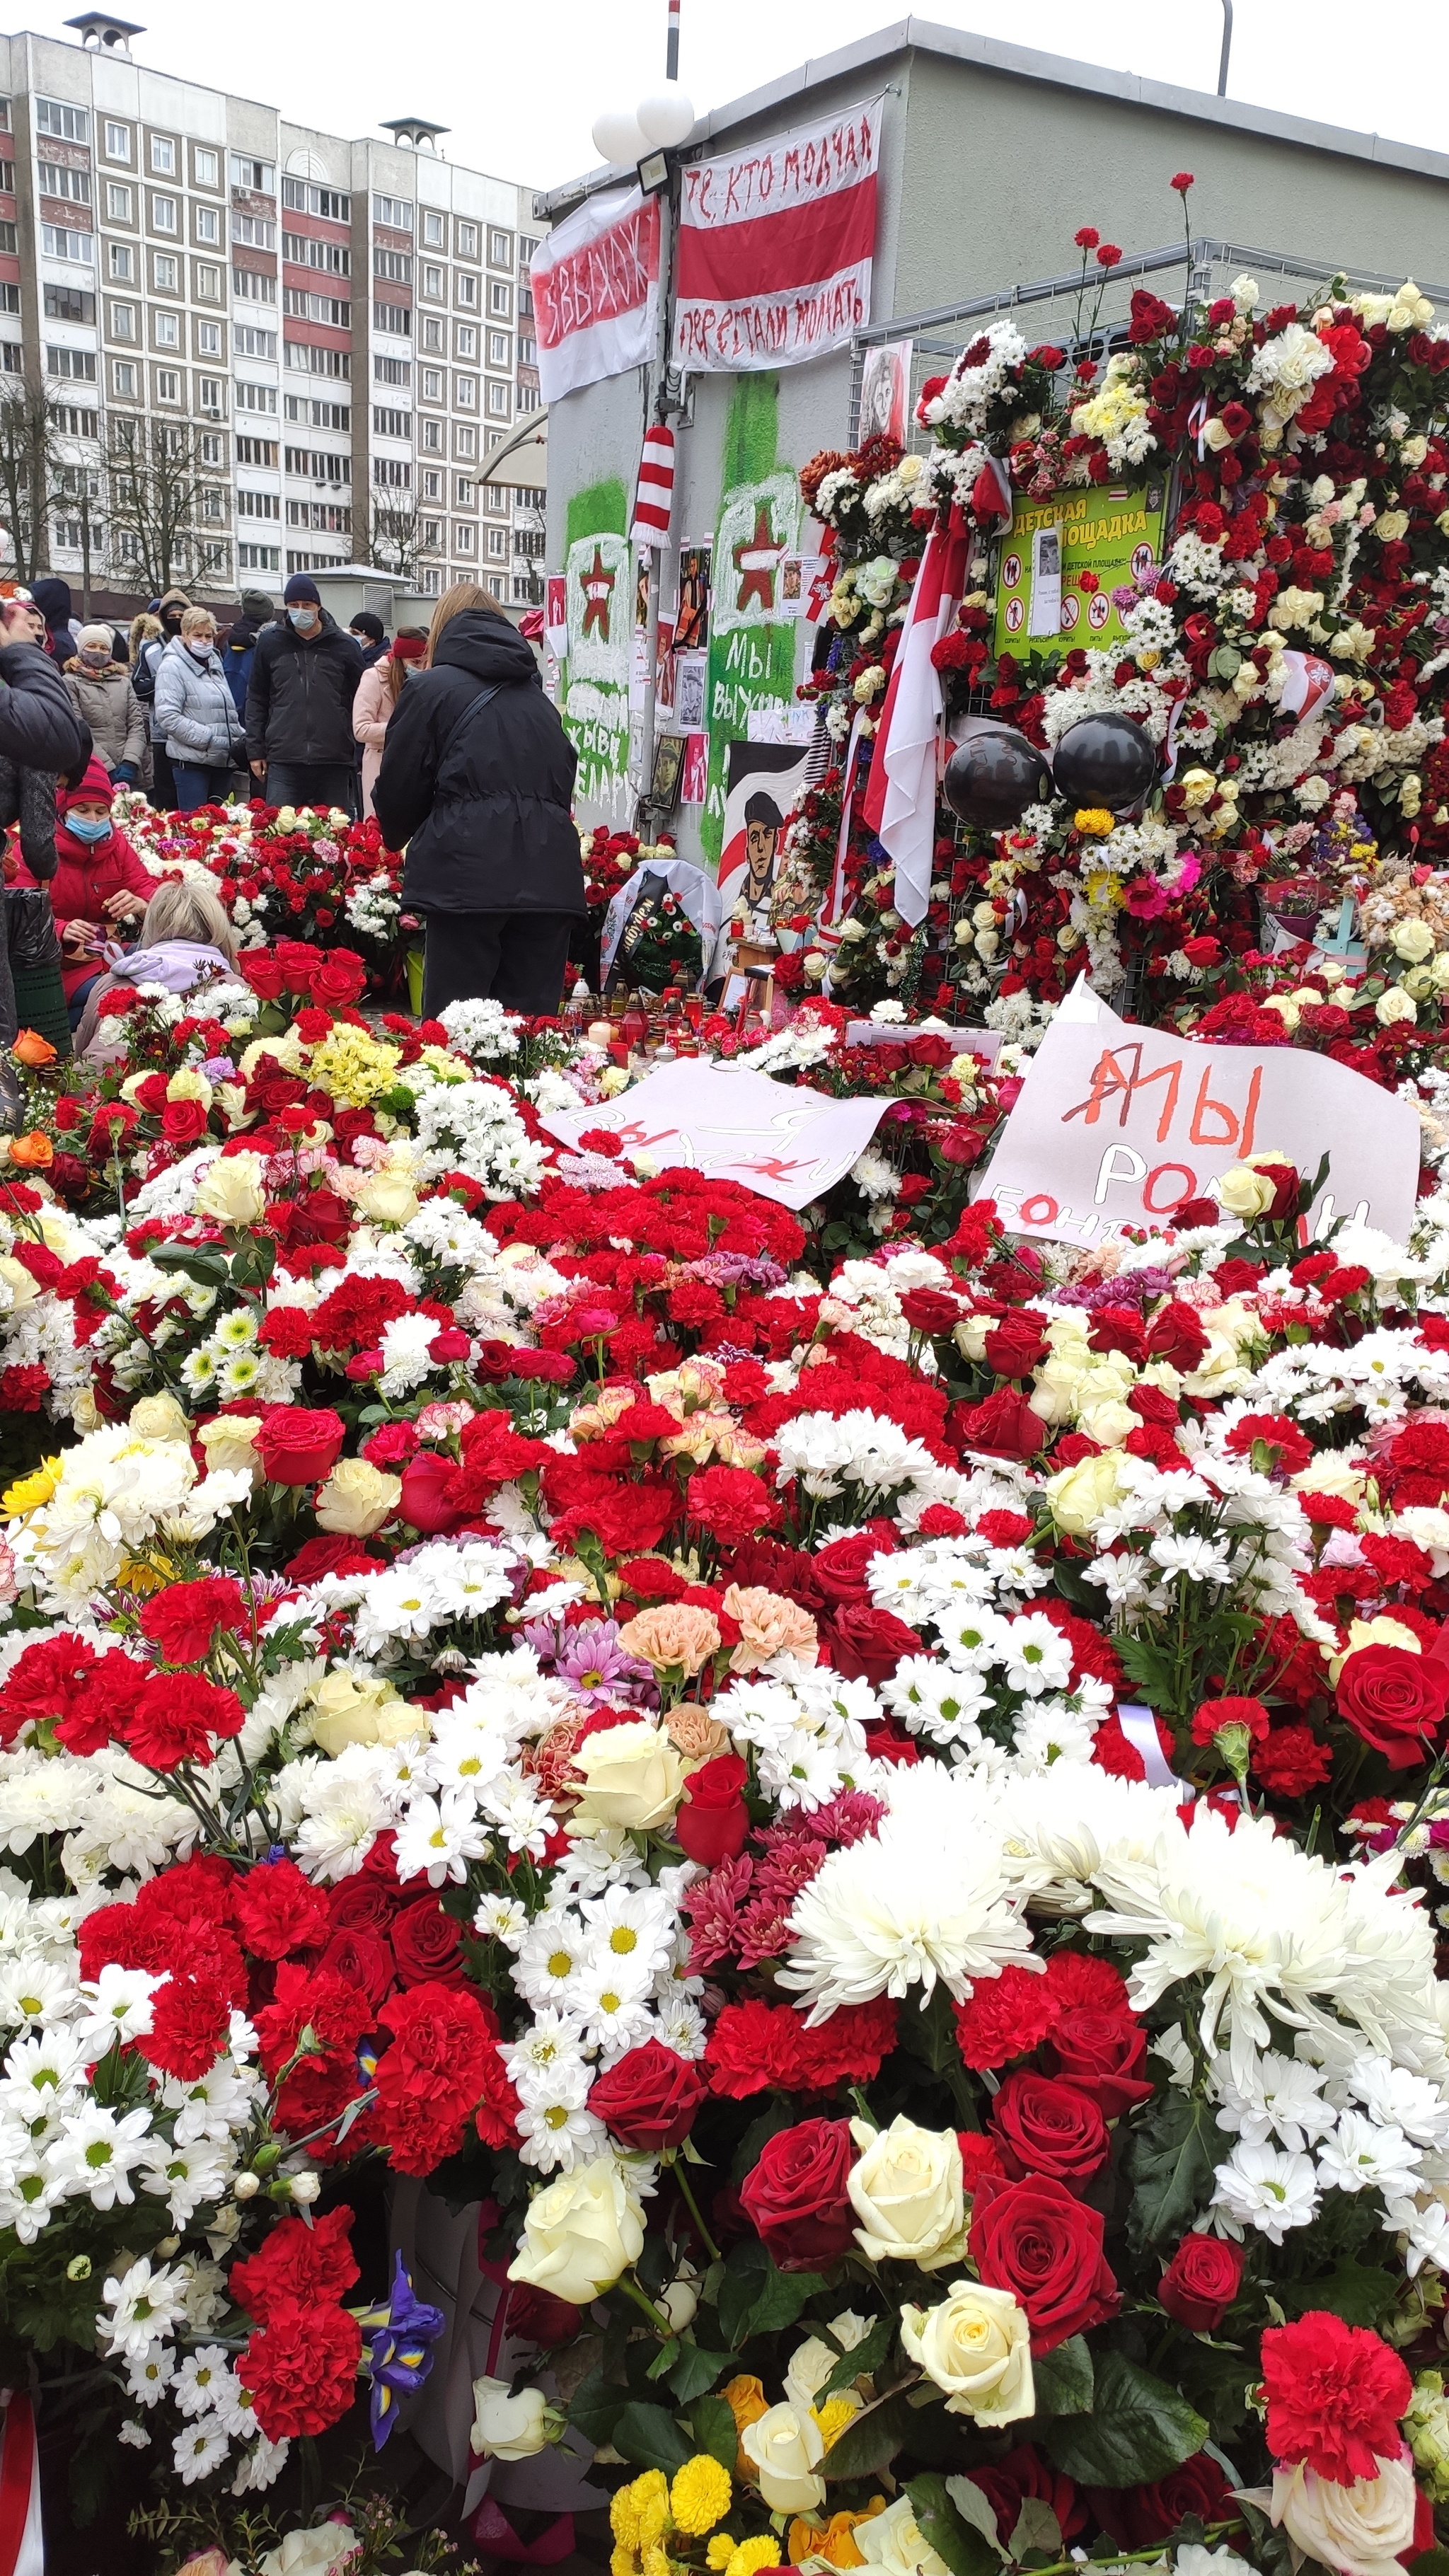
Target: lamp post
[1227, 48]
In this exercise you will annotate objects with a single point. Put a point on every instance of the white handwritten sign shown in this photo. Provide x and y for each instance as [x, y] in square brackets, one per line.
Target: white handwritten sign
[782, 1140]
[1119, 1126]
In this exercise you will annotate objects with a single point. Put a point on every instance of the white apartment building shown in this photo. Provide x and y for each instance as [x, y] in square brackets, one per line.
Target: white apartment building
[347, 324]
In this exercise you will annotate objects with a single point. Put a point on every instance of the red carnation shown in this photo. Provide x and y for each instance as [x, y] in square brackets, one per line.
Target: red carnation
[182, 1621]
[175, 1718]
[430, 2078]
[298, 2261]
[1004, 2017]
[278, 1910]
[1336, 2394]
[301, 2368]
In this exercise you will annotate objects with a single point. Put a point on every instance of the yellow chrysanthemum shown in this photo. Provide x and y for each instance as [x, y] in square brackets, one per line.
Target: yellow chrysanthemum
[29, 1492]
[753, 2554]
[653, 2518]
[627, 2509]
[1093, 818]
[719, 2553]
[622, 2561]
[353, 1066]
[700, 2495]
[657, 2561]
[835, 2414]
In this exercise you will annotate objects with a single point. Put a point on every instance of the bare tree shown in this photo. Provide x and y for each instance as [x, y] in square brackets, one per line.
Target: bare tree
[30, 471]
[156, 481]
[394, 540]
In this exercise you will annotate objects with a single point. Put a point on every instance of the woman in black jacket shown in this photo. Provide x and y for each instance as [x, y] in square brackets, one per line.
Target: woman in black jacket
[477, 781]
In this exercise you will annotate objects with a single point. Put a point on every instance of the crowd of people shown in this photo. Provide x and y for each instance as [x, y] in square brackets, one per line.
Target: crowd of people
[444, 734]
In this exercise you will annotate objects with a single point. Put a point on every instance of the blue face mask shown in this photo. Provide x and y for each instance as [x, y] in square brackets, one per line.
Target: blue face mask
[301, 616]
[89, 827]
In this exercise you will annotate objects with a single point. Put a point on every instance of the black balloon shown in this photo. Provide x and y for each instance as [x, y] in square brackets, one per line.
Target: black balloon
[994, 775]
[1105, 760]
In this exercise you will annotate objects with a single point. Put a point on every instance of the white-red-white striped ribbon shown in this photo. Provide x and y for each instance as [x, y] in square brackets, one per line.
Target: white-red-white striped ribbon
[654, 500]
[22, 2549]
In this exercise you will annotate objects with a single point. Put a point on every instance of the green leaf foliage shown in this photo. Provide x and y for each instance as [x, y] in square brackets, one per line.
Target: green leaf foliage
[1138, 2429]
[965, 2549]
[1064, 2379]
[650, 2438]
[1171, 2162]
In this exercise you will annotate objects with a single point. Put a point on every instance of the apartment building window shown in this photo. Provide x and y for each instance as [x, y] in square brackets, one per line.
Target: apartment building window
[465, 393]
[500, 249]
[527, 351]
[306, 199]
[431, 382]
[10, 359]
[395, 264]
[303, 252]
[163, 214]
[208, 339]
[208, 283]
[123, 379]
[392, 371]
[255, 286]
[163, 156]
[9, 297]
[164, 330]
[258, 505]
[435, 229]
[259, 451]
[396, 212]
[497, 586]
[163, 271]
[120, 262]
[430, 535]
[255, 232]
[213, 504]
[168, 385]
[259, 176]
[79, 364]
[256, 397]
[467, 334]
[498, 400]
[397, 318]
[433, 437]
[500, 299]
[123, 321]
[525, 304]
[497, 542]
[430, 581]
[7, 235]
[119, 202]
[250, 343]
[56, 116]
[495, 498]
[529, 398]
[314, 308]
[467, 240]
[395, 472]
[465, 439]
[58, 243]
[527, 245]
[258, 558]
[432, 484]
[210, 394]
[318, 465]
[69, 535]
[391, 424]
[118, 142]
[73, 186]
[68, 304]
[208, 227]
[320, 415]
[307, 361]
[435, 282]
[468, 291]
[431, 333]
[332, 518]
[500, 348]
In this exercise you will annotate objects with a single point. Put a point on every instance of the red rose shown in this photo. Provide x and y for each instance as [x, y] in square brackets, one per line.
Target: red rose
[302, 2368]
[426, 1944]
[1104, 2054]
[1393, 1698]
[1201, 2282]
[340, 979]
[1137, 2517]
[839, 1569]
[1175, 1335]
[1034, 2239]
[930, 1310]
[299, 1448]
[1335, 2396]
[713, 1821]
[1003, 1427]
[426, 1482]
[1015, 1344]
[183, 1620]
[1043, 2126]
[183, 1122]
[866, 1644]
[648, 2100]
[362, 1959]
[329, 1554]
[795, 2197]
[261, 969]
[1007, 2484]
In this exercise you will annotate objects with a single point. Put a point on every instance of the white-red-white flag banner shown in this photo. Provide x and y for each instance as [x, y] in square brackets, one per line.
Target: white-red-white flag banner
[595, 282]
[22, 2546]
[773, 259]
[900, 801]
[654, 498]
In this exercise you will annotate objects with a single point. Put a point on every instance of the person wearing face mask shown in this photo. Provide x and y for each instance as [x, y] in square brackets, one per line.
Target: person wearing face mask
[170, 609]
[196, 714]
[382, 686]
[99, 688]
[299, 706]
[99, 884]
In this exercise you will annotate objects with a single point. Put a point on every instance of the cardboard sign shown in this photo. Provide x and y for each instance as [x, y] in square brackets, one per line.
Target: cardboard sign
[1117, 1126]
[782, 1140]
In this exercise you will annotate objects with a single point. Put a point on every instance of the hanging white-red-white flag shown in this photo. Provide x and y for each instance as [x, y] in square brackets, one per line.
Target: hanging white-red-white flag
[654, 499]
[900, 800]
[595, 281]
[22, 2549]
[775, 244]
[1309, 681]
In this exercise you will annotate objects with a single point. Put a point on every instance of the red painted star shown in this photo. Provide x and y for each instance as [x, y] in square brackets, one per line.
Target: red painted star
[757, 560]
[597, 585]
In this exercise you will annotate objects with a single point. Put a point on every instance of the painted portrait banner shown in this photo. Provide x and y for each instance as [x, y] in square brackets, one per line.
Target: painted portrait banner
[775, 246]
[595, 283]
[1118, 1126]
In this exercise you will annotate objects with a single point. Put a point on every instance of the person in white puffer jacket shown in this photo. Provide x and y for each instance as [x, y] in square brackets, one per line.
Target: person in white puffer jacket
[196, 714]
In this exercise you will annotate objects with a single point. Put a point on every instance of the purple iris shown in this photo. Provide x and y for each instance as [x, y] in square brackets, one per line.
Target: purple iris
[401, 2349]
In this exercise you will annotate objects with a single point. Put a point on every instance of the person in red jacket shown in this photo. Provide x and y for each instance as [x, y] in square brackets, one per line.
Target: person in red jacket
[99, 884]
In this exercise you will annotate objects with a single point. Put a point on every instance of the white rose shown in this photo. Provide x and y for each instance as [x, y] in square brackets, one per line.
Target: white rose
[894, 2542]
[357, 1498]
[505, 2426]
[388, 1198]
[1413, 940]
[1359, 2529]
[813, 2361]
[311, 2553]
[785, 2446]
[632, 1776]
[977, 2346]
[1079, 1495]
[580, 2234]
[23, 1290]
[159, 1417]
[906, 2190]
[1244, 1192]
[1394, 1005]
[228, 1442]
[232, 1191]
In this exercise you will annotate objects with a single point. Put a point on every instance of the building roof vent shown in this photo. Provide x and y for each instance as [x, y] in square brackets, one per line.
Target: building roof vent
[100, 33]
[418, 131]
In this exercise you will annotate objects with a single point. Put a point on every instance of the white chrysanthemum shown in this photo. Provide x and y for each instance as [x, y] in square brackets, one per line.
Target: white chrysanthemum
[1057, 1830]
[928, 1896]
